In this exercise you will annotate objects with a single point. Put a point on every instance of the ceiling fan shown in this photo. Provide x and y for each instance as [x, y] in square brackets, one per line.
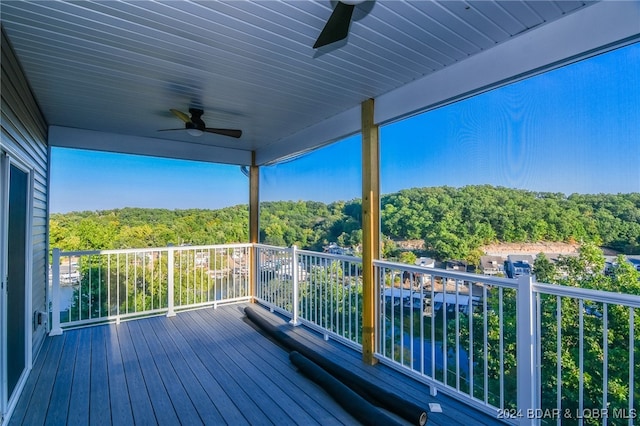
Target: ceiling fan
[337, 27]
[196, 127]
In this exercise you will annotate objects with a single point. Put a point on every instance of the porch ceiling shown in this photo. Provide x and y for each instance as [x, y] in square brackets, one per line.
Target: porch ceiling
[106, 73]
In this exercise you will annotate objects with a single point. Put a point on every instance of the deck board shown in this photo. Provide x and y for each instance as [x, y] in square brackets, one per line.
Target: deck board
[44, 384]
[61, 392]
[246, 376]
[214, 364]
[306, 390]
[267, 383]
[138, 393]
[453, 412]
[191, 374]
[207, 366]
[118, 391]
[23, 404]
[99, 398]
[81, 384]
[182, 404]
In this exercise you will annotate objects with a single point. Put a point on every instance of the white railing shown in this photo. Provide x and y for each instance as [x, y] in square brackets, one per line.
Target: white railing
[527, 352]
[447, 328]
[320, 290]
[111, 285]
[587, 355]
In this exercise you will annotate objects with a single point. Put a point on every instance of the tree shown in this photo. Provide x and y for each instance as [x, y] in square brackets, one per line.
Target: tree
[543, 269]
[408, 257]
[581, 348]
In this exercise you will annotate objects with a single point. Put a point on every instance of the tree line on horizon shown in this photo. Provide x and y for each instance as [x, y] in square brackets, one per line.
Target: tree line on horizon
[454, 223]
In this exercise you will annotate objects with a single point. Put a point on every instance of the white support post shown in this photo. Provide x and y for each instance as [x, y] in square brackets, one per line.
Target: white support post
[56, 330]
[170, 283]
[527, 386]
[296, 286]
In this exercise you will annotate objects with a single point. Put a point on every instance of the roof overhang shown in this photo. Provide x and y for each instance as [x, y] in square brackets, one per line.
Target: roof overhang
[287, 98]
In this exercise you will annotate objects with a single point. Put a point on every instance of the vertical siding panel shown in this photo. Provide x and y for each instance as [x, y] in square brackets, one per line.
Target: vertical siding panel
[24, 133]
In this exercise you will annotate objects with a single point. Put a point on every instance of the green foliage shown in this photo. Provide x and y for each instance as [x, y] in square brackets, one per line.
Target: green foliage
[453, 222]
[493, 332]
[333, 300]
[560, 322]
[408, 257]
[139, 228]
[543, 269]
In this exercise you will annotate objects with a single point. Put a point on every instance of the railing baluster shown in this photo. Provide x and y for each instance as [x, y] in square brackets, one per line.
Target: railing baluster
[501, 331]
[170, 282]
[581, 356]
[605, 360]
[559, 354]
[118, 288]
[632, 346]
[296, 285]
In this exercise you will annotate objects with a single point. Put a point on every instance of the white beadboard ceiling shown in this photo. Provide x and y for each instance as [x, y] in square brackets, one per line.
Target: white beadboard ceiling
[105, 73]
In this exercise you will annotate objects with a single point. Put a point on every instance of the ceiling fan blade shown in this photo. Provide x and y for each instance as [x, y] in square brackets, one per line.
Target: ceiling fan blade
[181, 115]
[225, 132]
[337, 27]
[166, 130]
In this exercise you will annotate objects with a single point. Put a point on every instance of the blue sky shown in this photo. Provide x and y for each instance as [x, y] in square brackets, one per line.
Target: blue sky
[574, 129]
[90, 180]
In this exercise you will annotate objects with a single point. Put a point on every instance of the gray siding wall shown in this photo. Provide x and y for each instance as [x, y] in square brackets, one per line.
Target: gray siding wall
[24, 134]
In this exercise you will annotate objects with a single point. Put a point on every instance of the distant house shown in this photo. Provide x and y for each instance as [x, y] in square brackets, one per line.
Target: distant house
[492, 265]
[518, 265]
[427, 262]
[611, 263]
[455, 265]
[334, 248]
[450, 302]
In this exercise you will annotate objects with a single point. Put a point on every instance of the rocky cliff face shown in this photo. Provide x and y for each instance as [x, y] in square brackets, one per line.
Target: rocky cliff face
[504, 249]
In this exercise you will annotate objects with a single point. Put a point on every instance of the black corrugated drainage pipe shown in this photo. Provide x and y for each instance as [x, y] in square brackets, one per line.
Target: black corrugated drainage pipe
[365, 388]
[361, 409]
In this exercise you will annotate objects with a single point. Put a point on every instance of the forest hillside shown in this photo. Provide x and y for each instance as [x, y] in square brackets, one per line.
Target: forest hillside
[454, 223]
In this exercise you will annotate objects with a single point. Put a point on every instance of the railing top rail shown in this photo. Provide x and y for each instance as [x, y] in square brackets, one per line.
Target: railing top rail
[343, 257]
[346, 258]
[153, 249]
[542, 288]
[270, 247]
[589, 294]
[485, 279]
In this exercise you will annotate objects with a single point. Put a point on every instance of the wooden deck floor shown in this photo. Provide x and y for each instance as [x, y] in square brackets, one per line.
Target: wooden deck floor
[209, 366]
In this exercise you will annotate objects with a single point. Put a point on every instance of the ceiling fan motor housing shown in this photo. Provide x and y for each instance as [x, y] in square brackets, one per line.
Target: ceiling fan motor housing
[196, 120]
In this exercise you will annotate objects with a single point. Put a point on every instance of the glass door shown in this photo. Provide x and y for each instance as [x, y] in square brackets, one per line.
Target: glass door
[14, 206]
